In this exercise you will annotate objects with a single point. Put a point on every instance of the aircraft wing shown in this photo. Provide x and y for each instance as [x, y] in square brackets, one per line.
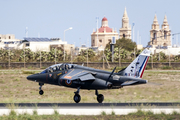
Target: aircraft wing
[82, 75]
[128, 83]
[87, 77]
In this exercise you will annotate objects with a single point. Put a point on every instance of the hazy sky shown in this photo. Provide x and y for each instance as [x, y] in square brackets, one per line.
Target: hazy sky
[49, 18]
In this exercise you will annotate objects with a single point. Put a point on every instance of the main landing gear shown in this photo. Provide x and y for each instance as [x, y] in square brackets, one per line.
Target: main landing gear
[77, 97]
[100, 97]
[41, 92]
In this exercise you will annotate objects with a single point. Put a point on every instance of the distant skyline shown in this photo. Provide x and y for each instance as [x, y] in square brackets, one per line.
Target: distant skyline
[49, 18]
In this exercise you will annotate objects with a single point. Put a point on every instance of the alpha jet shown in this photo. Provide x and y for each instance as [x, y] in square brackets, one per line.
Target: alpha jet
[80, 77]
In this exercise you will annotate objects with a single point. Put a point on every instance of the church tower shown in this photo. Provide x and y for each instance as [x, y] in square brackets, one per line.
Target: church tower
[160, 37]
[154, 32]
[125, 31]
[166, 33]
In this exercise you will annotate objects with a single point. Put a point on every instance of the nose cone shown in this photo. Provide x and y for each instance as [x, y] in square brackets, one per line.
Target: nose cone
[31, 77]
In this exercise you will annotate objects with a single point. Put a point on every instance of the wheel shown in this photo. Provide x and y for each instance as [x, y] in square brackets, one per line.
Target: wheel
[100, 98]
[41, 92]
[77, 98]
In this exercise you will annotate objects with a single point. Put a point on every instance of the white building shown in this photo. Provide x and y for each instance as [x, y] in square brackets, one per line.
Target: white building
[45, 44]
[34, 44]
[9, 41]
[170, 50]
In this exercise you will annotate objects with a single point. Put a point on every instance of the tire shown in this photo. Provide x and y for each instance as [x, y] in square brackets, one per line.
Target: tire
[41, 92]
[77, 98]
[100, 98]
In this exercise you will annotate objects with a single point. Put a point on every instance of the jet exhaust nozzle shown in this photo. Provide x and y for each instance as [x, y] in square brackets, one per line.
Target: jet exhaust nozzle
[109, 86]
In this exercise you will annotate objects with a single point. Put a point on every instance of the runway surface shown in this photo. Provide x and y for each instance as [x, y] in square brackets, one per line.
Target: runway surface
[90, 105]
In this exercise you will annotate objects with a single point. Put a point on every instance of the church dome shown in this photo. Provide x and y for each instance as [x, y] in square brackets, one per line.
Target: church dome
[103, 29]
[104, 19]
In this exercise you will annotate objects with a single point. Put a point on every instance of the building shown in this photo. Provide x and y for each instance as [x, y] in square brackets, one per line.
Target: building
[9, 41]
[160, 40]
[160, 37]
[36, 44]
[78, 49]
[103, 35]
[58, 43]
[125, 30]
[170, 50]
[45, 44]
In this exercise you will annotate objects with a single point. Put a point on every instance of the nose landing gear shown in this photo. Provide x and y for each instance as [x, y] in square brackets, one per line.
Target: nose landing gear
[41, 92]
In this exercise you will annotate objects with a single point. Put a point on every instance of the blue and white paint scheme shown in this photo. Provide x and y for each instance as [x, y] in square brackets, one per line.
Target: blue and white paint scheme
[136, 68]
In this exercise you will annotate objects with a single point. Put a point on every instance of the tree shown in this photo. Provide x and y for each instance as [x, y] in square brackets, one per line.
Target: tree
[124, 43]
[83, 55]
[126, 49]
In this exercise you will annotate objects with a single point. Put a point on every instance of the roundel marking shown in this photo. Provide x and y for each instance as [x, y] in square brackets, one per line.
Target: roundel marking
[54, 76]
[68, 82]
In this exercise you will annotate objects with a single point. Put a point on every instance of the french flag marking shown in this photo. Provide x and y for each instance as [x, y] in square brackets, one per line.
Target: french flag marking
[144, 66]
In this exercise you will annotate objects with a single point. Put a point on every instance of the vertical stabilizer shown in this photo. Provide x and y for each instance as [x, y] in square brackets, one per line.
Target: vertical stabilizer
[136, 68]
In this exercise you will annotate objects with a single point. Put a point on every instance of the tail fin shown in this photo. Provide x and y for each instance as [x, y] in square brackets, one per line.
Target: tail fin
[136, 68]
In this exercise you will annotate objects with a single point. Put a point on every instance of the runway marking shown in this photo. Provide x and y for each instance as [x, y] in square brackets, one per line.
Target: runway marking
[89, 108]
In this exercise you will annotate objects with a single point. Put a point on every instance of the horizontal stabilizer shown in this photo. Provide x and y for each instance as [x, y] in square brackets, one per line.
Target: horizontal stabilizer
[128, 83]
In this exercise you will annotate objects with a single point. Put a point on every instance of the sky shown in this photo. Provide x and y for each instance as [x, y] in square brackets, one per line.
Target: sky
[50, 18]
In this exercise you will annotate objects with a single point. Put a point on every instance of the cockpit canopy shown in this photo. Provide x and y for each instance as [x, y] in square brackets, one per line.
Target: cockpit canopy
[57, 67]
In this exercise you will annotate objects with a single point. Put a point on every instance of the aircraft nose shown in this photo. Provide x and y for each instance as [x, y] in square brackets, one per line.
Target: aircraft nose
[31, 77]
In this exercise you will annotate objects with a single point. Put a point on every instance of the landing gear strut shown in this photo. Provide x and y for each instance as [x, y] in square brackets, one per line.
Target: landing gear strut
[41, 92]
[77, 97]
[100, 97]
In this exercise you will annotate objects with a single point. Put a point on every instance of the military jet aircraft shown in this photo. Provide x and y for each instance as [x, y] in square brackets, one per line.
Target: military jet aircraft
[81, 77]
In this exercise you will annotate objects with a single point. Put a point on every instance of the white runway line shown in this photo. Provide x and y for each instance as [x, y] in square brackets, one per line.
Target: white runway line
[87, 111]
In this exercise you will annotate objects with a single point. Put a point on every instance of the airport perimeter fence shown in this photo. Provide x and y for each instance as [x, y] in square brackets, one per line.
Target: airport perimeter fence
[97, 65]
